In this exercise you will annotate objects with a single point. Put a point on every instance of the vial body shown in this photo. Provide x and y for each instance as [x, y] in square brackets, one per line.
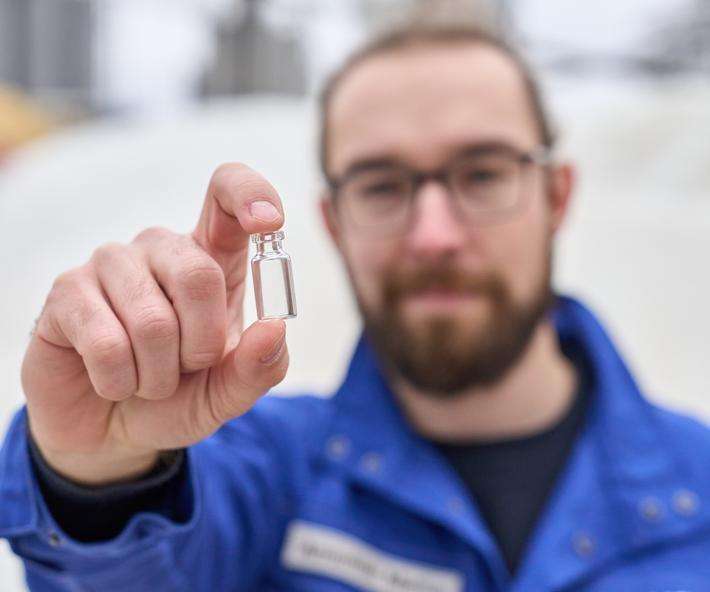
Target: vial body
[273, 278]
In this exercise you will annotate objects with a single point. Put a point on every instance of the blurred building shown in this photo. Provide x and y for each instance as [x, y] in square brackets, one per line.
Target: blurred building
[684, 43]
[154, 56]
[651, 39]
[44, 49]
[491, 14]
[253, 57]
[107, 56]
[159, 56]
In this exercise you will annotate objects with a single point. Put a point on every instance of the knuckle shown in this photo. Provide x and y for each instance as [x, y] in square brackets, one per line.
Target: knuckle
[109, 349]
[183, 245]
[137, 284]
[107, 253]
[154, 324]
[152, 234]
[141, 289]
[158, 389]
[82, 314]
[202, 359]
[65, 281]
[120, 386]
[200, 279]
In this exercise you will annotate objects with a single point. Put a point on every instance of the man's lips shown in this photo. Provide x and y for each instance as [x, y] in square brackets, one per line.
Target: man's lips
[441, 298]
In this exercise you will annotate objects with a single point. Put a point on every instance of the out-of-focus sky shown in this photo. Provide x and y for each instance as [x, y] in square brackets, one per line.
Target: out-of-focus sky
[603, 28]
[600, 26]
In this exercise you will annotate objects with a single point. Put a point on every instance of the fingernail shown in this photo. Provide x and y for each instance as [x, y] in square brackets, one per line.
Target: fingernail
[275, 352]
[264, 211]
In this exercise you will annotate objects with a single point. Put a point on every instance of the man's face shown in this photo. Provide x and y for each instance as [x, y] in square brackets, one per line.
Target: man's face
[449, 304]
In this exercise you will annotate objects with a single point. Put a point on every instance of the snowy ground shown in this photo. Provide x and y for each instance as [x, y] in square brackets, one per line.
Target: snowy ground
[635, 249]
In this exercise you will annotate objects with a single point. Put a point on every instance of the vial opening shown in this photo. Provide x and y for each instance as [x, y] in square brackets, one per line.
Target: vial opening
[267, 237]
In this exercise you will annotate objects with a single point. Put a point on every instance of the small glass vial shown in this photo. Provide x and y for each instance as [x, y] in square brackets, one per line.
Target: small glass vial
[273, 277]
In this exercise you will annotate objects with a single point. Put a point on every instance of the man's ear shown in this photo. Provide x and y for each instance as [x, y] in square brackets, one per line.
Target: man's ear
[562, 178]
[330, 219]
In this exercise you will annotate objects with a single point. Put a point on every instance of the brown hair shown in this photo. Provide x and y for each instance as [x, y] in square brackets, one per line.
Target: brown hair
[423, 35]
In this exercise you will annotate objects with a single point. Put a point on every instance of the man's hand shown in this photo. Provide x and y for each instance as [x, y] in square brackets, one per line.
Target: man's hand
[143, 348]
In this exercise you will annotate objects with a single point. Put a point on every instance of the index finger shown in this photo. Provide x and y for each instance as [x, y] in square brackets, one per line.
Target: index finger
[239, 202]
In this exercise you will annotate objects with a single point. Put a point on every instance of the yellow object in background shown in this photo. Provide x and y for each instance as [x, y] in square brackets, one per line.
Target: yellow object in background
[20, 120]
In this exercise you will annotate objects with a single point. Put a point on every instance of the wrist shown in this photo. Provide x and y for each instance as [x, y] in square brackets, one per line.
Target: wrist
[97, 469]
[94, 470]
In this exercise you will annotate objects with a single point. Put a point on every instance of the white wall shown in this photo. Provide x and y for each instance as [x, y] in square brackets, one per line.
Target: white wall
[635, 247]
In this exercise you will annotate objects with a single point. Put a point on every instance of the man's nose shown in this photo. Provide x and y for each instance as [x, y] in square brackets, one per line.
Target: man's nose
[436, 229]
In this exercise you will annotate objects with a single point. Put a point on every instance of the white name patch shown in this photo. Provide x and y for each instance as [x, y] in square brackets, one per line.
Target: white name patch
[329, 552]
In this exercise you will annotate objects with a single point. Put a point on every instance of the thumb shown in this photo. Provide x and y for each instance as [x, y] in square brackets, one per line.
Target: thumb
[256, 364]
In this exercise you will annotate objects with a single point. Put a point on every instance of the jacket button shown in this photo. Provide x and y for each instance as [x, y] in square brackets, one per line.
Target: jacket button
[54, 539]
[371, 462]
[685, 502]
[650, 509]
[338, 447]
[583, 544]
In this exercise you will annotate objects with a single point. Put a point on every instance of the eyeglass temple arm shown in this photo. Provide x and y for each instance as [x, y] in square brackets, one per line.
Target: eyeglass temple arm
[541, 154]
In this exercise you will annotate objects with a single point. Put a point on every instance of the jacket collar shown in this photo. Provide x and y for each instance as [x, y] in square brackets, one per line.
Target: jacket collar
[626, 486]
[372, 441]
[617, 493]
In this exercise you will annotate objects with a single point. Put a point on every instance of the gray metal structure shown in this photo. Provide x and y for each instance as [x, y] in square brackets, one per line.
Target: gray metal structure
[251, 58]
[45, 48]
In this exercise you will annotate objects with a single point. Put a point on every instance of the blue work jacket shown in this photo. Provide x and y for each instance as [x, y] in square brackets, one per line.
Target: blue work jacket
[311, 494]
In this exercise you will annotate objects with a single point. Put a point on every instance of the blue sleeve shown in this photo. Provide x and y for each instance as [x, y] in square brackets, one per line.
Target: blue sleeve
[227, 531]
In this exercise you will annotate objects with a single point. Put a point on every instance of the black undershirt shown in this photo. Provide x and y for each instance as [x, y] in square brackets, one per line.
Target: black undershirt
[510, 482]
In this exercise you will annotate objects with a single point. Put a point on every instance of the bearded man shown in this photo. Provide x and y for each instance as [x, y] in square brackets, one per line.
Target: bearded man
[487, 436]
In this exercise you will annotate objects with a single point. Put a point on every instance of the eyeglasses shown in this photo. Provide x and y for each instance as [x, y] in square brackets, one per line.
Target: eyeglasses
[486, 185]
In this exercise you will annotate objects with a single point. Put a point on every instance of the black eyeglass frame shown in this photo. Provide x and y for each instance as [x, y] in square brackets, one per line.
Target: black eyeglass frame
[540, 155]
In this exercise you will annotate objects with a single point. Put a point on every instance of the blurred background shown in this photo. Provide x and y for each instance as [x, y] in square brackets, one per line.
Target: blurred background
[114, 113]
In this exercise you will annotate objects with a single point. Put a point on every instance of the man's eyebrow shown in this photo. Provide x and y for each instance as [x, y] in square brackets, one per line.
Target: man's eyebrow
[483, 148]
[466, 149]
[373, 162]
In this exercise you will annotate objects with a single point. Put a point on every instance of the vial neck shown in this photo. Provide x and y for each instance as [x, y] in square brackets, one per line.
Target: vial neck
[268, 247]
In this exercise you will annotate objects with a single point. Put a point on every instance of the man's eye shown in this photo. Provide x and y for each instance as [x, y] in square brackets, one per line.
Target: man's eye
[382, 189]
[482, 175]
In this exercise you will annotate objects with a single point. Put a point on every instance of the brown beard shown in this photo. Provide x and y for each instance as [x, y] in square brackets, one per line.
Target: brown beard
[442, 356]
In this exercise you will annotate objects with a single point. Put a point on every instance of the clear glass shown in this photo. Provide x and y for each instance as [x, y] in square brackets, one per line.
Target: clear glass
[273, 277]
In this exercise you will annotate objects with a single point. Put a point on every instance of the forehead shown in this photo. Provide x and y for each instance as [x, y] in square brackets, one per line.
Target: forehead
[418, 104]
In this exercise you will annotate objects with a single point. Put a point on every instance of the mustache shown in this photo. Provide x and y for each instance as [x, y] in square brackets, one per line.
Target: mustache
[401, 283]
